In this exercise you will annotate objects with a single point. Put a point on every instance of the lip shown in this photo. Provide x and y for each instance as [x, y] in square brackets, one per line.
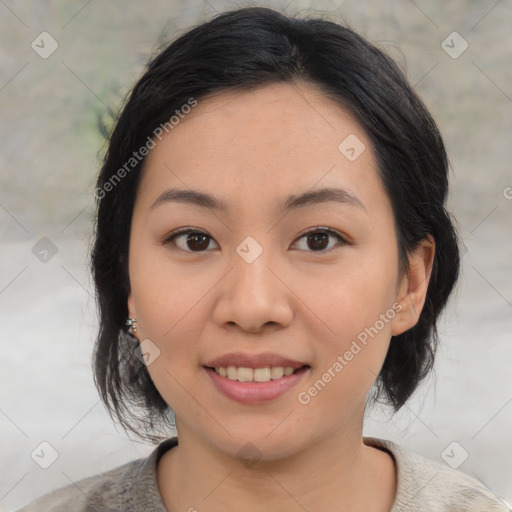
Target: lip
[241, 359]
[255, 392]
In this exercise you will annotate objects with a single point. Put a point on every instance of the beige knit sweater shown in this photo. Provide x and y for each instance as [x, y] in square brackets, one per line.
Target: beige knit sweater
[423, 485]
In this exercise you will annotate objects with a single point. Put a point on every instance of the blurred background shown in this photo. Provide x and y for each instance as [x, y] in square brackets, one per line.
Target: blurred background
[65, 65]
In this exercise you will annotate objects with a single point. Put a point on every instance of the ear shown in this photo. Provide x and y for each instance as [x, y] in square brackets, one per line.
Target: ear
[413, 288]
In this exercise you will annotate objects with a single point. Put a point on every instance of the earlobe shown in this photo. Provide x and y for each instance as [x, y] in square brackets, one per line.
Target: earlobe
[131, 321]
[413, 288]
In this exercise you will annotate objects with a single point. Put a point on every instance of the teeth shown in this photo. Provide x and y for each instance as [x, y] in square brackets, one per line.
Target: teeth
[245, 374]
[254, 375]
[261, 374]
[276, 372]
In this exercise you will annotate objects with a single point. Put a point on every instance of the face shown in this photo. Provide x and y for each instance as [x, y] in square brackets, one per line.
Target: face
[304, 283]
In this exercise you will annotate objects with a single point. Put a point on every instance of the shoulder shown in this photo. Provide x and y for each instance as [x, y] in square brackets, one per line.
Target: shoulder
[98, 492]
[425, 484]
[123, 488]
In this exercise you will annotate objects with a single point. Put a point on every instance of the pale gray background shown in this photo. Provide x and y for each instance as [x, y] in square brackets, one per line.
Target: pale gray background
[49, 144]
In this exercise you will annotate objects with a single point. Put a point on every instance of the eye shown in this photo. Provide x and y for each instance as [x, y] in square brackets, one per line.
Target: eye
[318, 238]
[195, 241]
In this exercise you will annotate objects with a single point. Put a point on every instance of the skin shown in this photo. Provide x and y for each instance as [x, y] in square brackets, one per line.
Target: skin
[252, 149]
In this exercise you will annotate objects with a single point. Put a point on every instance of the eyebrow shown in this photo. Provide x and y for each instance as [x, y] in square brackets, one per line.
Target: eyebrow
[292, 202]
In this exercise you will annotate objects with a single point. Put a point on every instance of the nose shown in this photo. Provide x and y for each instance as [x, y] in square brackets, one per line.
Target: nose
[254, 294]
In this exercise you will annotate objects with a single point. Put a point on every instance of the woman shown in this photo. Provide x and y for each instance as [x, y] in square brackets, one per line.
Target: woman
[271, 247]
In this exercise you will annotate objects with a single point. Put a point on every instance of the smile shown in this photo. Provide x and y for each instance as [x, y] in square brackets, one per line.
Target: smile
[251, 391]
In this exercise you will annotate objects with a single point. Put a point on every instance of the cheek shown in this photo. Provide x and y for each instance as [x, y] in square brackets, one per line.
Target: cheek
[349, 312]
[166, 293]
[349, 296]
[171, 298]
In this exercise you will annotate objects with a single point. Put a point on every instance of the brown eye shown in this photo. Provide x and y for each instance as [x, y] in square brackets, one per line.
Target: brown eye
[189, 240]
[318, 239]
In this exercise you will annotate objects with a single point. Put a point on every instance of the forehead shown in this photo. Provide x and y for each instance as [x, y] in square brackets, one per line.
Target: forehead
[278, 116]
[272, 140]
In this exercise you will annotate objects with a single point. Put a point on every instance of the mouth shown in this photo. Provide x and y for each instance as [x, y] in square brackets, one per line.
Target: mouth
[253, 386]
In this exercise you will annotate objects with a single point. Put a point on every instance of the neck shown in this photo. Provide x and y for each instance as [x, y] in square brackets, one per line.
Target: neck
[340, 469]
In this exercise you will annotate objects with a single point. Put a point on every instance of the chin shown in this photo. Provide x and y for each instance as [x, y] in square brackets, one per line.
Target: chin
[267, 443]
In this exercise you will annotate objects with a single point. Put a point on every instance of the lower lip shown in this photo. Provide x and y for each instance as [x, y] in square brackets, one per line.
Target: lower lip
[255, 392]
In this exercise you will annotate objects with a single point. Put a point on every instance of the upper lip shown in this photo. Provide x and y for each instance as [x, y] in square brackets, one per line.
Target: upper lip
[244, 360]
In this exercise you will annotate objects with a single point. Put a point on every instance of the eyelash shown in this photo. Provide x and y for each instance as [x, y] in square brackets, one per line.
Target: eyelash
[317, 229]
